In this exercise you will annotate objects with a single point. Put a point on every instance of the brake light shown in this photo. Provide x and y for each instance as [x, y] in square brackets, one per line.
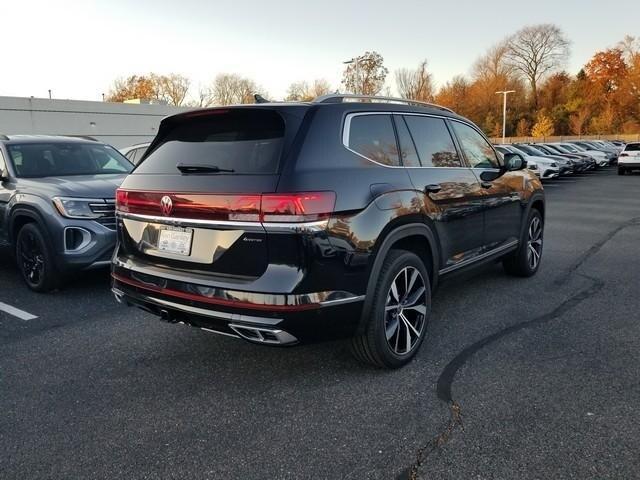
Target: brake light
[297, 207]
[624, 154]
[286, 208]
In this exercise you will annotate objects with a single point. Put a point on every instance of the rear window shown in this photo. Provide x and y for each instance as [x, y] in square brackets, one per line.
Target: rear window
[36, 160]
[245, 141]
[632, 147]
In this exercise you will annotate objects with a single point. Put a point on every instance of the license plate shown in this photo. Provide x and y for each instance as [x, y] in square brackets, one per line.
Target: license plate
[175, 240]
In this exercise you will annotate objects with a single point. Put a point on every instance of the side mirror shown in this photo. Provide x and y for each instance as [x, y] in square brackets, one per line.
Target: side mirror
[513, 162]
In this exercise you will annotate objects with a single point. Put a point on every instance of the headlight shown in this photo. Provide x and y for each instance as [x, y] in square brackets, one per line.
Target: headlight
[76, 207]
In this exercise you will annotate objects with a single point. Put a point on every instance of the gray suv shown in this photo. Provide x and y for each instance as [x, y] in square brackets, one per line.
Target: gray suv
[57, 207]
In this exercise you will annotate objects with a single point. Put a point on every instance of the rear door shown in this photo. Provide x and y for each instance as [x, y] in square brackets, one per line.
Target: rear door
[177, 211]
[450, 191]
[502, 200]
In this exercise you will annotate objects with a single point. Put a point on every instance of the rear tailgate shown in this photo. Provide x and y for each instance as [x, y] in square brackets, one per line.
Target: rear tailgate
[207, 221]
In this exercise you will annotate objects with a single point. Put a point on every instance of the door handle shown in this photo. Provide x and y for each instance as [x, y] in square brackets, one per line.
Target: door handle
[432, 188]
[486, 184]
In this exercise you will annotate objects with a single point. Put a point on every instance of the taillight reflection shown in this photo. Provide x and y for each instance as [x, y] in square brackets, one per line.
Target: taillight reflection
[282, 208]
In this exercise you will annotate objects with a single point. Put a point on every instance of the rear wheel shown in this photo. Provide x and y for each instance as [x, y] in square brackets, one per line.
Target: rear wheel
[35, 259]
[621, 171]
[399, 312]
[526, 260]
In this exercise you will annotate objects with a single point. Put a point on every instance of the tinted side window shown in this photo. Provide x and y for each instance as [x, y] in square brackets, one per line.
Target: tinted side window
[476, 149]
[407, 146]
[632, 147]
[434, 142]
[373, 137]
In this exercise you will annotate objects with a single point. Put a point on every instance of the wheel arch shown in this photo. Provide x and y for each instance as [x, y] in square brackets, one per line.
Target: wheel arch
[20, 216]
[414, 237]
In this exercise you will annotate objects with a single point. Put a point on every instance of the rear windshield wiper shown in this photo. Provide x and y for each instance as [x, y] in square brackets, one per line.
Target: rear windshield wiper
[185, 168]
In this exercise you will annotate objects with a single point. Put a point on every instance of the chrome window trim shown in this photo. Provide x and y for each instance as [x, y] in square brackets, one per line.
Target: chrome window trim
[346, 130]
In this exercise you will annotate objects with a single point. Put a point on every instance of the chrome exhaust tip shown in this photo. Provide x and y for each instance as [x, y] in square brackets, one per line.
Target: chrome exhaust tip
[119, 296]
[271, 336]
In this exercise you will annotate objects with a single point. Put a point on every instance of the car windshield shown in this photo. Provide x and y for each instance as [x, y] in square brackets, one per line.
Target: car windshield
[559, 148]
[572, 148]
[520, 150]
[529, 150]
[57, 159]
[632, 147]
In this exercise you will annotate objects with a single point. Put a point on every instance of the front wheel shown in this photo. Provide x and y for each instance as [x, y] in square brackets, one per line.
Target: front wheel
[398, 312]
[526, 260]
[35, 260]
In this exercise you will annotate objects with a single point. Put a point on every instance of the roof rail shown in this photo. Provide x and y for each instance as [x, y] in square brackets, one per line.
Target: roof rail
[3, 137]
[341, 97]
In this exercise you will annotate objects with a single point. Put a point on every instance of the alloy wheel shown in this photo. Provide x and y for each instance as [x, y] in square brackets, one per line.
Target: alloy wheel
[32, 258]
[534, 243]
[405, 311]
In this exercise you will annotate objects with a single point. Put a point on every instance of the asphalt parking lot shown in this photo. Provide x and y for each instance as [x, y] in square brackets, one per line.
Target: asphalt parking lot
[518, 378]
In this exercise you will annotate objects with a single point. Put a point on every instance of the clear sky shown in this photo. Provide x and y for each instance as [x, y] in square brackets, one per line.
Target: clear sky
[77, 48]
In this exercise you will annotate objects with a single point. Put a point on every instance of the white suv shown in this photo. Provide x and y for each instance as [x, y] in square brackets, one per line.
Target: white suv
[629, 158]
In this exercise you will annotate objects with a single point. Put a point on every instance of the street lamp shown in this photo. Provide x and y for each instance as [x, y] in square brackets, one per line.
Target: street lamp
[355, 60]
[504, 93]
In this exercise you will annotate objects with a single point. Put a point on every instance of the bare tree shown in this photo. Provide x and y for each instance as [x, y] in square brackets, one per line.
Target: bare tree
[320, 87]
[171, 88]
[415, 84]
[231, 88]
[303, 92]
[630, 47]
[366, 75]
[535, 51]
[494, 64]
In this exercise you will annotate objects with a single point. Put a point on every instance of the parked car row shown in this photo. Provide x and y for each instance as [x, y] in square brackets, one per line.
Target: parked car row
[555, 159]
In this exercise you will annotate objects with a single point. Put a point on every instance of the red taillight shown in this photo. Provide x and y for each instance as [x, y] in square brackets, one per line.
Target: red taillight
[291, 208]
[624, 154]
[297, 207]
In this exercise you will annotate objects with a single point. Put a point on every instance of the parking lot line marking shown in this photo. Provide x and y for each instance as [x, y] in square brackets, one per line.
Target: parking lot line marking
[16, 312]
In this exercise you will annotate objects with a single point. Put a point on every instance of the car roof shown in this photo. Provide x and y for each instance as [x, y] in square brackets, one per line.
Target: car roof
[336, 102]
[22, 139]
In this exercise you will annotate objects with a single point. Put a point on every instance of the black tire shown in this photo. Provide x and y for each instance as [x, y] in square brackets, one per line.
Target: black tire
[525, 262]
[621, 171]
[411, 315]
[35, 260]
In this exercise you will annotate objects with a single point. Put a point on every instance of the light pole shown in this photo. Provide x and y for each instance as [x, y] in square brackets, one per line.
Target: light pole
[504, 93]
[355, 60]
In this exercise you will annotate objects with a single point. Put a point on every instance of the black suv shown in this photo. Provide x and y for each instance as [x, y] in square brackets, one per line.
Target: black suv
[57, 204]
[291, 222]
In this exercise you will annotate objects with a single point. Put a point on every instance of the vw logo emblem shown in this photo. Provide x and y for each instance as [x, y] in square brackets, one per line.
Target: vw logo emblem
[166, 205]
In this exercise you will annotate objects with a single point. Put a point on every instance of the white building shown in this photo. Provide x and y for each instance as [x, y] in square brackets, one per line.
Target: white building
[117, 124]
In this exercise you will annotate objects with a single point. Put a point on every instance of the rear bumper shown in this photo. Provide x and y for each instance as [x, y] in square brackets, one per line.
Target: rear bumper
[272, 319]
[629, 165]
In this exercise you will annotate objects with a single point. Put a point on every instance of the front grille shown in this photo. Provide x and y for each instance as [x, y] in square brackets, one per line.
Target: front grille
[108, 212]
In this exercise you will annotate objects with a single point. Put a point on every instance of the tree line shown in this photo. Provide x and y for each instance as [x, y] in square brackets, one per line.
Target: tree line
[602, 97]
